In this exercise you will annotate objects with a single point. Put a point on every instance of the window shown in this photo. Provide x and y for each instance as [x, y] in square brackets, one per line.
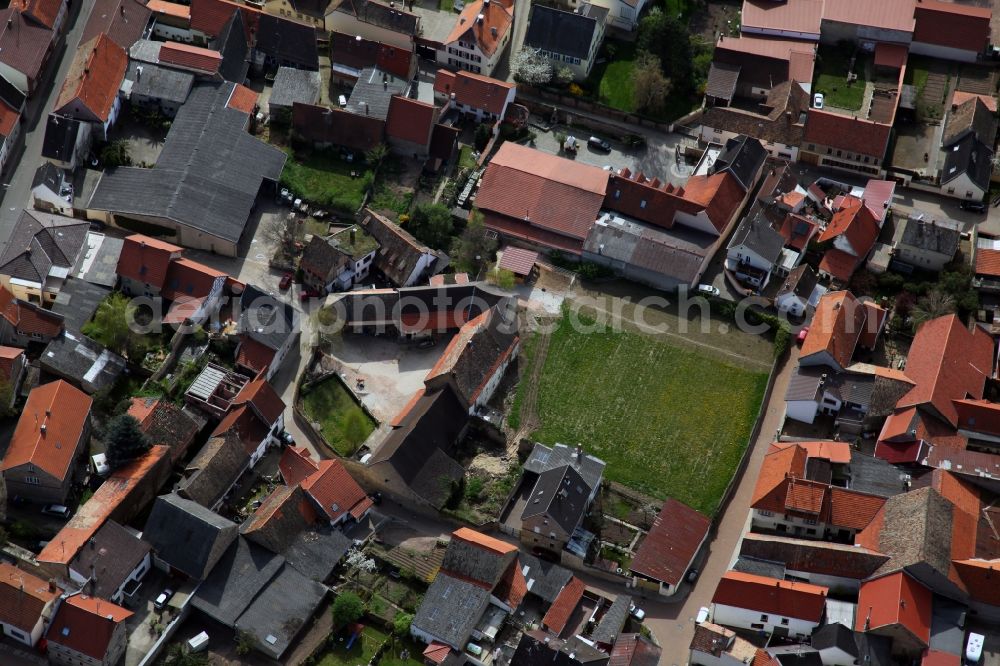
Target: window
[763, 617]
[642, 204]
[829, 151]
[838, 153]
[809, 521]
[784, 621]
[33, 480]
[812, 146]
[766, 514]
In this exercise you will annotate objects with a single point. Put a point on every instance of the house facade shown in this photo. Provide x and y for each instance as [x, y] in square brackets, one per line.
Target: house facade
[482, 97]
[479, 38]
[762, 604]
[87, 631]
[568, 39]
[26, 604]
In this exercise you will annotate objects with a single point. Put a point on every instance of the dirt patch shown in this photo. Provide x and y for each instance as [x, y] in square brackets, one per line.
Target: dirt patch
[716, 18]
[489, 464]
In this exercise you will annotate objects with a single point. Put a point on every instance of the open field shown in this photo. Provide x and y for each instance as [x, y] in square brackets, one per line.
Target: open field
[343, 423]
[669, 421]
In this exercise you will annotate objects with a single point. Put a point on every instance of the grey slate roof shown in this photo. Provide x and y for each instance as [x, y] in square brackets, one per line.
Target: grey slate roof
[916, 531]
[240, 575]
[77, 301]
[398, 250]
[82, 361]
[450, 609]
[99, 262]
[743, 157]
[208, 174]
[40, 242]
[804, 384]
[801, 281]
[109, 557]
[536, 648]
[48, 175]
[214, 470]
[317, 552]
[760, 567]
[869, 649]
[471, 562]
[721, 82]
[60, 137]
[559, 31]
[875, 476]
[613, 621]
[187, 536]
[560, 494]
[280, 611]
[382, 15]
[968, 156]
[544, 458]
[757, 235]
[931, 236]
[264, 318]
[373, 91]
[232, 44]
[545, 579]
[286, 42]
[294, 85]
[158, 82]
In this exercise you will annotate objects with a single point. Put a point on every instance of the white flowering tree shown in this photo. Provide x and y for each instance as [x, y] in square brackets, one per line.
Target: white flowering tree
[530, 66]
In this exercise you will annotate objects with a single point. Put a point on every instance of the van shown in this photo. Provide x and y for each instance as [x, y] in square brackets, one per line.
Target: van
[342, 101]
[57, 511]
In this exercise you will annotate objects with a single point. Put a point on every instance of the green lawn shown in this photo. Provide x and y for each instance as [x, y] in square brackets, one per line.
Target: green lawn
[360, 653]
[343, 423]
[466, 160]
[668, 421]
[678, 8]
[325, 179]
[392, 658]
[832, 66]
[612, 82]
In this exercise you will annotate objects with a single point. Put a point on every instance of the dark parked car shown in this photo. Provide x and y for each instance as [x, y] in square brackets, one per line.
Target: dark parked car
[286, 281]
[974, 206]
[599, 144]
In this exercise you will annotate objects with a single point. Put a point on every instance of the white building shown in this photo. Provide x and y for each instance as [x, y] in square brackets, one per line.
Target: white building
[767, 605]
[479, 38]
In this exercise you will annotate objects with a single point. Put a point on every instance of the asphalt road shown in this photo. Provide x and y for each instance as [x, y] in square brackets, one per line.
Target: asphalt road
[17, 184]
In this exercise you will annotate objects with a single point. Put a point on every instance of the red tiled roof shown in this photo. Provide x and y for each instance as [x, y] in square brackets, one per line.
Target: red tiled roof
[512, 588]
[947, 362]
[835, 328]
[854, 135]
[254, 355]
[400, 417]
[166, 8]
[838, 453]
[483, 541]
[8, 359]
[775, 468]
[720, 194]
[440, 321]
[895, 599]
[940, 658]
[141, 409]
[790, 231]
[336, 491]
[909, 424]
[436, 653]
[527, 232]
[856, 223]
[770, 595]
[890, 55]
[961, 97]
[190, 57]
[263, 397]
[634, 650]
[518, 260]
[211, 16]
[296, 465]
[94, 77]
[839, 264]
[547, 191]
[805, 496]
[987, 262]
[474, 90]
[874, 321]
[952, 25]
[86, 625]
[981, 578]
[23, 597]
[9, 118]
[980, 416]
[243, 99]
[853, 510]
[496, 19]
[188, 279]
[246, 425]
[887, 14]
[49, 429]
[562, 608]
[28, 318]
[324, 125]
[146, 259]
[409, 120]
[802, 17]
[43, 12]
[899, 453]
[671, 544]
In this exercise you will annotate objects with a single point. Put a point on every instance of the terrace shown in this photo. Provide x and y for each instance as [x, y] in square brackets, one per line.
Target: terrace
[214, 389]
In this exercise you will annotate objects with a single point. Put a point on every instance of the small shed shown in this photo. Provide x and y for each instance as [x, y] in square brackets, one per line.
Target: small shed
[518, 261]
[292, 85]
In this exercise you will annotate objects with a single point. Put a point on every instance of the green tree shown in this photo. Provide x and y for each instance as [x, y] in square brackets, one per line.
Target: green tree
[177, 656]
[482, 136]
[432, 225]
[474, 248]
[376, 155]
[935, 304]
[503, 278]
[667, 38]
[244, 643]
[116, 154]
[649, 86]
[401, 624]
[124, 440]
[6, 399]
[110, 325]
[347, 608]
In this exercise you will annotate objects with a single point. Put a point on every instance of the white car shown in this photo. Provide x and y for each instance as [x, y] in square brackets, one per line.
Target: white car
[161, 601]
[708, 290]
[702, 615]
[637, 612]
[818, 101]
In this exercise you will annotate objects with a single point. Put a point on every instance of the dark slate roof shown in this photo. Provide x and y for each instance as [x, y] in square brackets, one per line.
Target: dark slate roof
[60, 137]
[40, 242]
[215, 469]
[947, 626]
[317, 552]
[108, 558]
[187, 536]
[756, 234]
[559, 31]
[77, 301]
[760, 567]
[805, 383]
[373, 91]
[232, 44]
[48, 175]
[98, 265]
[971, 116]
[158, 82]
[865, 648]
[287, 42]
[543, 458]
[917, 532]
[469, 561]
[280, 611]
[875, 476]
[814, 557]
[82, 361]
[743, 157]
[264, 318]
[801, 281]
[240, 575]
[382, 15]
[450, 609]
[208, 174]
[797, 655]
[11, 96]
[545, 579]
[968, 156]
[537, 648]
[123, 21]
[321, 257]
[931, 236]
[614, 619]
[721, 82]
[561, 494]
[294, 85]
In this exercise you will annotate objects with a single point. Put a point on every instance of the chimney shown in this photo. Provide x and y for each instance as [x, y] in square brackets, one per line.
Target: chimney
[352, 235]
[122, 9]
[366, 108]
[52, 585]
[42, 428]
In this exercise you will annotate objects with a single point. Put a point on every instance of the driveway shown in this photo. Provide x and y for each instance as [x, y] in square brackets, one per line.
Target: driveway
[656, 159]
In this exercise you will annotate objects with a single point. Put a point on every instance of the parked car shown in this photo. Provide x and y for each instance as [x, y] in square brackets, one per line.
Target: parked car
[57, 511]
[286, 438]
[702, 615]
[161, 601]
[818, 100]
[801, 337]
[974, 206]
[692, 575]
[637, 612]
[307, 294]
[571, 145]
[996, 201]
[599, 144]
[708, 290]
[286, 281]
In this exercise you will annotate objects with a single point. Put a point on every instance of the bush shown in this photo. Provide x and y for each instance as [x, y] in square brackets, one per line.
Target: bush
[347, 608]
